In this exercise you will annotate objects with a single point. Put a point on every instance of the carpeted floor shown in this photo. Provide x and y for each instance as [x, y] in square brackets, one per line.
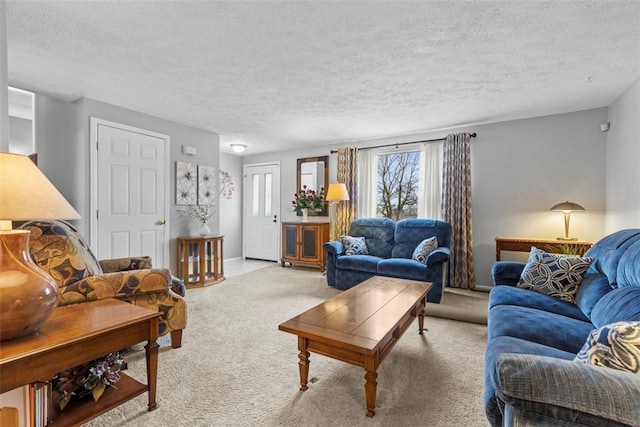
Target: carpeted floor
[236, 369]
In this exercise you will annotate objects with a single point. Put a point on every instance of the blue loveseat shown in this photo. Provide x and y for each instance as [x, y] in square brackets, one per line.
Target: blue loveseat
[530, 377]
[390, 246]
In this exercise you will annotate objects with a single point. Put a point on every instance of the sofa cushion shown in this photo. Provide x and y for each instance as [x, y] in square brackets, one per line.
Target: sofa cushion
[510, 295]
[378, 233]
[539, 326]
[554, 275]
[410, 232]
[60, 250]
[424, 248]
[628, 274]
[366, 263]
[616, 346]
[354, 245]
[608, 251]
[402, 267]
[593, 287]
[622, 304]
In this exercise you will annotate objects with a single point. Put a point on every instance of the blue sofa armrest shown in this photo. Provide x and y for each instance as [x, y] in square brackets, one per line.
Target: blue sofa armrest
[506, 272]
[334, 247]
[548, 389]
[438, 256]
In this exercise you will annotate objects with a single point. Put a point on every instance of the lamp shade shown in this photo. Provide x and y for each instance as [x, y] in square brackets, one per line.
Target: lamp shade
[28, 295]
[567, 207]
[337, 192]
[26, 194]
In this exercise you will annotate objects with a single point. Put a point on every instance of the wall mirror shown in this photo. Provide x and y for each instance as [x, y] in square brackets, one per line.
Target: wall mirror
[314, 173]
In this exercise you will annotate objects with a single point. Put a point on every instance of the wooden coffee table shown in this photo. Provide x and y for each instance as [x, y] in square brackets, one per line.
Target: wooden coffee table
[360, 326]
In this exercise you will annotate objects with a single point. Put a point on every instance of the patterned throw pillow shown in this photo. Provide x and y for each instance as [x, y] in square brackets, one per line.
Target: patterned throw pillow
[422, 251]
[354, 245]
[555, 275]
[616, 346]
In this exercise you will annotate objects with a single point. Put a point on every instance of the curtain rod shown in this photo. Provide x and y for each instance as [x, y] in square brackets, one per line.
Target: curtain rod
[473, 135]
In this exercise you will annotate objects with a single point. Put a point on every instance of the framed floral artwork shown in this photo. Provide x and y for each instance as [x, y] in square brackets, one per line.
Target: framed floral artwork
[206, 185]
[186, 183]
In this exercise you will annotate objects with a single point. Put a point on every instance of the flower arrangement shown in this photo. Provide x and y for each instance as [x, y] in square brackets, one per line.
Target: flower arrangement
[91, 378]
[205, 211]
[307, 198]
[202, 213]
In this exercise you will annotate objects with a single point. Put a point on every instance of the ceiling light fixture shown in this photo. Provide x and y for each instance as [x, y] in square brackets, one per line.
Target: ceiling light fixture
[238, 148]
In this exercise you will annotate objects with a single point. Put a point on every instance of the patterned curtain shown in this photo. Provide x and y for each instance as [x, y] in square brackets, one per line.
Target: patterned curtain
[457, 208]
[348, 174]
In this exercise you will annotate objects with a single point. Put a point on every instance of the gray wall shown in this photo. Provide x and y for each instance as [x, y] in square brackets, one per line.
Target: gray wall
[520, 169]
[623, 162]
[231, 209]
[64, 153]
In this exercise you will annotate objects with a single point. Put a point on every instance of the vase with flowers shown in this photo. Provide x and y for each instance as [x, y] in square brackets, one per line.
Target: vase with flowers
[307, 200]
[203, 212]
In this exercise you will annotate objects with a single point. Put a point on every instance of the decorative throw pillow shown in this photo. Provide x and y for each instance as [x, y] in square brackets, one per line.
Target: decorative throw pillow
[422, 251]
[354, 245]
[555, 275]
[616, 346]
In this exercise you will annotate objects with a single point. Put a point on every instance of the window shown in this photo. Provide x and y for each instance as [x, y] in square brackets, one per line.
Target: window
[397, 189]
[400, 183]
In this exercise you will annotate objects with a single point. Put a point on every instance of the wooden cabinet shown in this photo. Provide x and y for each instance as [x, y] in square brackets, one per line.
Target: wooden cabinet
[200, 260]
[302, 243]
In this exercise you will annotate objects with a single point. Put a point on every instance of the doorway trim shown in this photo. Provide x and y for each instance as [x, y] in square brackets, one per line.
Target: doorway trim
[94, 122]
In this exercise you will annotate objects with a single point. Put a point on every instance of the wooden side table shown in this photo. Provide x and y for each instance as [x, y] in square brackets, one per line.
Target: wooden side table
[76, 334]
[524, 244]
[200, 260]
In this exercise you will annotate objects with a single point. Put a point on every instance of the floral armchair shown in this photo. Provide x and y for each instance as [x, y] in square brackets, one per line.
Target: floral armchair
[60, 250]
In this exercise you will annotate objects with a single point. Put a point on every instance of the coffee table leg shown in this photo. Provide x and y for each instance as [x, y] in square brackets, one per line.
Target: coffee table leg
[421, 316]
[370, 387]
[303, 364]
[151, 355]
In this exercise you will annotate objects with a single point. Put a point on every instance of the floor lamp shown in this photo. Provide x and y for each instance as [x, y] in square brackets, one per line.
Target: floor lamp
[337, 192]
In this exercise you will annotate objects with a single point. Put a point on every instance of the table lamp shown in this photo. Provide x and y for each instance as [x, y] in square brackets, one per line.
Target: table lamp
[28, 295]
[566, 208]
[337, 192]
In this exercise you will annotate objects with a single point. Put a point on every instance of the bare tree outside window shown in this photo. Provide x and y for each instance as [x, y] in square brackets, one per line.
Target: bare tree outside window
[398, 176]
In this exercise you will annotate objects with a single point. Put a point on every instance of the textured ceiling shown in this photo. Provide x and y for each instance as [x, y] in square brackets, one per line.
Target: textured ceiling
[277, 75]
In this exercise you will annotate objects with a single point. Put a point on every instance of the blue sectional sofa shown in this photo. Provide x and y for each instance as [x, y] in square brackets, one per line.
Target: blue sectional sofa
[531, 378]
[390, 246]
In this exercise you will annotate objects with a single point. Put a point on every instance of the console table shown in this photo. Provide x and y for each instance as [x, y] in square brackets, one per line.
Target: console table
[524, 244]
[200, 260]
[76, 334]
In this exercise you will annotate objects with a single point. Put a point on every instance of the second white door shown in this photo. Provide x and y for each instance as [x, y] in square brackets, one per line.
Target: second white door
[262, 212]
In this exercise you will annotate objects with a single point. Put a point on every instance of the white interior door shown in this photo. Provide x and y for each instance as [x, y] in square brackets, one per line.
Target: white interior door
[262, 212]
[131, 201]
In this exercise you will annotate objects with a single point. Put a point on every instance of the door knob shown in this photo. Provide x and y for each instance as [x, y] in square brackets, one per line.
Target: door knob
[160, 222]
